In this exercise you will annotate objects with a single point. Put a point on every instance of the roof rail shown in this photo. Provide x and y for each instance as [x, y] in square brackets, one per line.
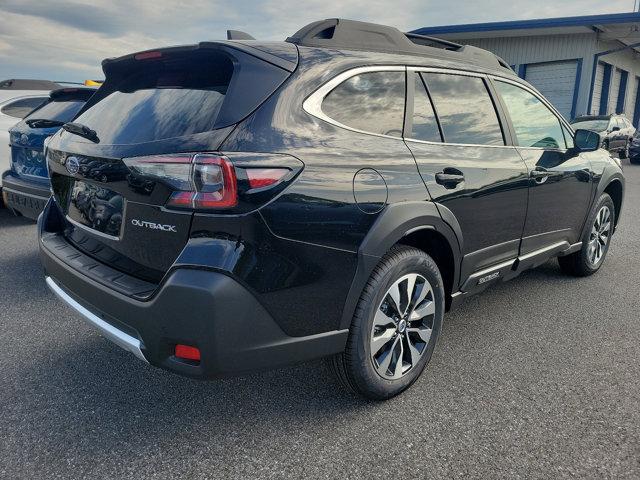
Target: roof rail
[354, 35]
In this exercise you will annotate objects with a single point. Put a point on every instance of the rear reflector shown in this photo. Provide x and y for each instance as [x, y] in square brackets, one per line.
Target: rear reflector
[265, 177]
[186, 352]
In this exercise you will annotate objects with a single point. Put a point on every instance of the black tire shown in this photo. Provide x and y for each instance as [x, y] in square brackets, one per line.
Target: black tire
[578, 264]
[634, 160]
[355, 368]
[624, 153]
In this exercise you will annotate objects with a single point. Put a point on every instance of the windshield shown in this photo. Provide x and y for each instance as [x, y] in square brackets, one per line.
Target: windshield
[163, 102]
[58, 111]
[593, 125]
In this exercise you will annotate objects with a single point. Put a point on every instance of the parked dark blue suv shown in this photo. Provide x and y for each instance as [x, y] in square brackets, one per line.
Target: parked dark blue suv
[26, 185]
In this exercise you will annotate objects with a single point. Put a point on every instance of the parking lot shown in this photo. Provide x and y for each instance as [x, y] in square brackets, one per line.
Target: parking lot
[536, 378]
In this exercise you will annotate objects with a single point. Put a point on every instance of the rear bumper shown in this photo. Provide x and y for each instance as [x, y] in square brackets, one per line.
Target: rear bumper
[203, 308]
[26, 198]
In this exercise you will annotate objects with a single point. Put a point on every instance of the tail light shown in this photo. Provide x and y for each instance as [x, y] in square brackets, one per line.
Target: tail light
[205, 181]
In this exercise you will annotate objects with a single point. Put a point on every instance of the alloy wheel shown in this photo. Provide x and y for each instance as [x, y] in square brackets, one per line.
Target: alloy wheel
[402, 326]
[600, 235]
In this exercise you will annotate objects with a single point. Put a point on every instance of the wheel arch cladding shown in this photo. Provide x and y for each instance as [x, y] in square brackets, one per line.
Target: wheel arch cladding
[616, 191]
[417, 224]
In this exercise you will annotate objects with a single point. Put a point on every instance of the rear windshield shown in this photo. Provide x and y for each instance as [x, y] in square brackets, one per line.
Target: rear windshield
[162, 100]
[595, 125]
[59, 111]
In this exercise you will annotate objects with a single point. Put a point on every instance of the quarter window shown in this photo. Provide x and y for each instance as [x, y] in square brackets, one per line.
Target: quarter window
[425, 125]
[465, 109]
[535, 125]
[372, 102]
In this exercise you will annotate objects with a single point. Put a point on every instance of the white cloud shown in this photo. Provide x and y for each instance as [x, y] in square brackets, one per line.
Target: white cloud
[67, 39]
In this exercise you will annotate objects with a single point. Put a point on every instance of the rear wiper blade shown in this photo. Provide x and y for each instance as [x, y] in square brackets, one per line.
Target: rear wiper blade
[81, 130]
[43, 123]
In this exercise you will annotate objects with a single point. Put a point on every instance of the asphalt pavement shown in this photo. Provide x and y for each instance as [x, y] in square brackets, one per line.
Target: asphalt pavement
[536, 378]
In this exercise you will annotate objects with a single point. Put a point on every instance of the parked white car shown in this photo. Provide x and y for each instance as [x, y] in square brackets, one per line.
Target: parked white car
[17, 99]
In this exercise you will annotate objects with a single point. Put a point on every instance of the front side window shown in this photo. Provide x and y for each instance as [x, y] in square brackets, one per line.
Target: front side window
[465, 109]
[22, 107]
[535, 125]
[372, 102]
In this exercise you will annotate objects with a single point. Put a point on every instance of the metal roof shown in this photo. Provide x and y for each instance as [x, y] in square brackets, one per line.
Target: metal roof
[621, 27]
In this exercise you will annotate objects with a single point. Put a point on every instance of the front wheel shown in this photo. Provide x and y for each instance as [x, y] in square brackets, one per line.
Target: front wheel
[595, 241]
[395, 327]
[624, 153]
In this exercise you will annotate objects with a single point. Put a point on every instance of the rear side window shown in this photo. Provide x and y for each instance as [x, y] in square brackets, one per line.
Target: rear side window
[162, 101]
[59, 111]
[465, 109]
[425, 125]
[21, 108]
[372, 102]
[535, 125]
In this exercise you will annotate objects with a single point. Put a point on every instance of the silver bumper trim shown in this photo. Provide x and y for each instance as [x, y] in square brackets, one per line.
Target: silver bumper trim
[120, 338]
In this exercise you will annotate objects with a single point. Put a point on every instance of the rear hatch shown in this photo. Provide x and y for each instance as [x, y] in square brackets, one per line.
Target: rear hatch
[27, 137]
[142, 156]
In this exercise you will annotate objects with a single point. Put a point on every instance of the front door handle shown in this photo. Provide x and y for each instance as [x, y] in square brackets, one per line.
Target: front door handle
[449, 178]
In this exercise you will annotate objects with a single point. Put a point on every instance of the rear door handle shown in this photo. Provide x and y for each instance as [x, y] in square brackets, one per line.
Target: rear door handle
[540, 174]
[450, 177]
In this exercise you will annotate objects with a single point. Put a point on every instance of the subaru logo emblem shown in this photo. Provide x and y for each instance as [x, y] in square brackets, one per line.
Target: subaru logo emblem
[73, 165]
[24, 139]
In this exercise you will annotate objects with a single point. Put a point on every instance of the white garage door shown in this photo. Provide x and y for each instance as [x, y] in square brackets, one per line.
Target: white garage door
[632, 91]
[613, 91]
[630, 110]
[597, 89]
[556, 81]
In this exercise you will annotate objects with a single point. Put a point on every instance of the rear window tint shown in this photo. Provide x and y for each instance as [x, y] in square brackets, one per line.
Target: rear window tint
[465, 109]
[60, 111]
[372, 102]
[165, 101]
[425, 125]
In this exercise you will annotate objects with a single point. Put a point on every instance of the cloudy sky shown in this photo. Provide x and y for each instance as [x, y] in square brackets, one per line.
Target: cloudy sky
[67, 39]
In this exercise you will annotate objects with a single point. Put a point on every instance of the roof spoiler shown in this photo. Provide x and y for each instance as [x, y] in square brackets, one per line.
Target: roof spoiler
[28, 84]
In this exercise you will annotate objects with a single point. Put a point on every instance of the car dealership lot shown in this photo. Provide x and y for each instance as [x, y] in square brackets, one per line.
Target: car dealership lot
[537, 378]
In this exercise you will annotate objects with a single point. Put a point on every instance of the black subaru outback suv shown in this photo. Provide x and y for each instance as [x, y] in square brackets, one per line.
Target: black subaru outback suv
[238, 205]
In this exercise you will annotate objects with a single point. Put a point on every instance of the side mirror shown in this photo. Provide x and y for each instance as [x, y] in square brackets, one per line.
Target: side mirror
[587, 141]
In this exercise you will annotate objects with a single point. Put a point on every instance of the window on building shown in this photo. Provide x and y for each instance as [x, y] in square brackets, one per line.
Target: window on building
[372, 102]
[534, 123]
[465, 109]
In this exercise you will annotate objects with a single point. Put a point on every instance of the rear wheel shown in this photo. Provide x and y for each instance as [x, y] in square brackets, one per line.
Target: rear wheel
[395, 327]
[595, 241]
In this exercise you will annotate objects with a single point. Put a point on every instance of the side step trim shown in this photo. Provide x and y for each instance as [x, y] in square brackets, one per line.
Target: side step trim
[120, 338]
